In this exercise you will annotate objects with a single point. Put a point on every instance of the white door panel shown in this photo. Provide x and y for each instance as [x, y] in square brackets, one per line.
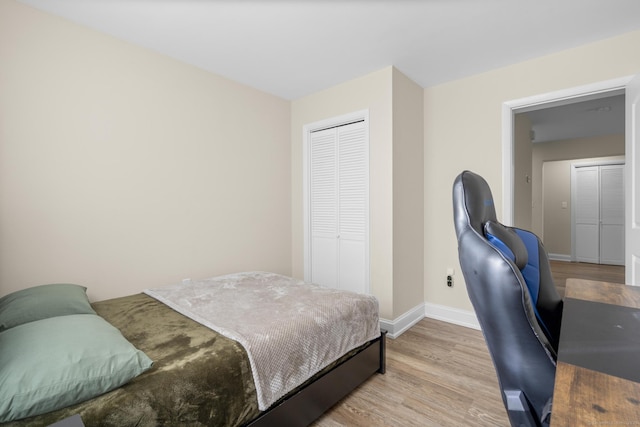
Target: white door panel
[323, 208]
[612, 214]
[587, 243]
[324, 269]
[586, 212]
[612, 244]
[352, 258]
[632, 189]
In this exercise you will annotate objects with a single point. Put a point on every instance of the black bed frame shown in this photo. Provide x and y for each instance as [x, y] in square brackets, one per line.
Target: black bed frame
[308, 404]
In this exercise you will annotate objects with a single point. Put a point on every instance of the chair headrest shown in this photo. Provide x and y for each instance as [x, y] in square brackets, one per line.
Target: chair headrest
[508, 242]
[478, 201]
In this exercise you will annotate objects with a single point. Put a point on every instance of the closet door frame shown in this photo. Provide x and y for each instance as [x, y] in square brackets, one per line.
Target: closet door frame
[574, 167]
[362, 115]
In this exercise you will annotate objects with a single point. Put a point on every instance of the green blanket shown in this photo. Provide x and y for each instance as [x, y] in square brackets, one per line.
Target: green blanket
[199, 377]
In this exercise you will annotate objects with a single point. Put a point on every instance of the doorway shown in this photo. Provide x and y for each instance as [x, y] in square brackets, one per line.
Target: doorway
[563, 97]
[546, 101]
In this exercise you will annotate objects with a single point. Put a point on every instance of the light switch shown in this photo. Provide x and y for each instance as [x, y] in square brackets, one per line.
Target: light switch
[564, 205]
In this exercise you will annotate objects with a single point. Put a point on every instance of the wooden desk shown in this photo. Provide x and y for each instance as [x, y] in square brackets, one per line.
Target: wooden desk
[598, 372]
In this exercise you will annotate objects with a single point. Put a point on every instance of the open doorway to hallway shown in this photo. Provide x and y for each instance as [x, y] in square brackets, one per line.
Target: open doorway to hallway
[548, 138]
[630, 87]
[549, 141]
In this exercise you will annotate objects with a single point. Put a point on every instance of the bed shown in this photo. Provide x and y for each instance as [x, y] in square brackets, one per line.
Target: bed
[201, 377]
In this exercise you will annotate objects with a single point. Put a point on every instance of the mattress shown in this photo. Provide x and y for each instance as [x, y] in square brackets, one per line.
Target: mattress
[199, 377]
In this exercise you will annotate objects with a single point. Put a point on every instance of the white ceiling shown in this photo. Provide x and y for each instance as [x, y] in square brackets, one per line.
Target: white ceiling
[590, 118]
[292, 48]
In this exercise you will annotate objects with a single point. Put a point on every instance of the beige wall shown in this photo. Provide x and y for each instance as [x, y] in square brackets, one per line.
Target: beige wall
[371, 92]
[408, 194]
[394, 103]
[121, 169]
[463, 131]
[522, 185]
[556, 184]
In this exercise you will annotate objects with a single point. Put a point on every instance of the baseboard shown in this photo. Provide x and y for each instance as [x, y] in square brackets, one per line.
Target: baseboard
[396, 327]
[560, 257]
[452, 315]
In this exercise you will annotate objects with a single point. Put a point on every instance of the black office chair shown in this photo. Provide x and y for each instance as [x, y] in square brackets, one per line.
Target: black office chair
[509, 282]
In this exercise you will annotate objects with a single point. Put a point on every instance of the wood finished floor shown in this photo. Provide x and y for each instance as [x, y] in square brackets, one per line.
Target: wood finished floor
[561, 271]
[440, 374]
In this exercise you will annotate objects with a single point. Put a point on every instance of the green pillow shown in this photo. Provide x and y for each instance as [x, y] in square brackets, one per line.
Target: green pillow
[53, 363]
[42, 302]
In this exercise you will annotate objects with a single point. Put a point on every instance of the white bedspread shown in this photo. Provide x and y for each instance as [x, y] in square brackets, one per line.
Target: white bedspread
[290, 329]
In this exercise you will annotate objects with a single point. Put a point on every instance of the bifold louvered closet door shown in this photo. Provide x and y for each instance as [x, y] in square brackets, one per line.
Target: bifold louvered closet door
[599, 214]
[339, 204]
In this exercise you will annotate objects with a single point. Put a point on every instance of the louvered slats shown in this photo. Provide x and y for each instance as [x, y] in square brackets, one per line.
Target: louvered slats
[323, 183]
[352, 182]
[339, 185]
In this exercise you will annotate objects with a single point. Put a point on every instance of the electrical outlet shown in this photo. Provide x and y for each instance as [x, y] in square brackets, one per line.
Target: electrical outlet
[449, 280]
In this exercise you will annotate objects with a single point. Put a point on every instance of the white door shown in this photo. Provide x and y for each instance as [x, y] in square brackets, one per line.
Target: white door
[586, 211]
[324, 204]
[353, 207]
[598, 211]
[612, 214]
[339, 207]
[632, 189]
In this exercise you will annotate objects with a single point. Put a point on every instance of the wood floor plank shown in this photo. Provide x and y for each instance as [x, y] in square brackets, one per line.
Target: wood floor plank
[561, 271]
[440, 374]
